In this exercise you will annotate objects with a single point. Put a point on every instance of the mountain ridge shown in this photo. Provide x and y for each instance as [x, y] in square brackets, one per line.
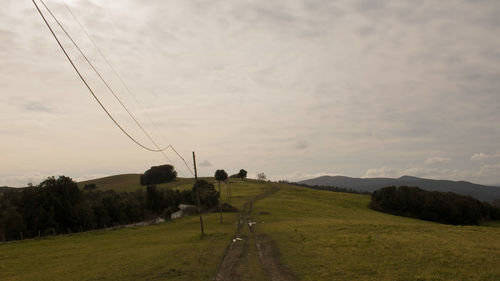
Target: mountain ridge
[480, 192]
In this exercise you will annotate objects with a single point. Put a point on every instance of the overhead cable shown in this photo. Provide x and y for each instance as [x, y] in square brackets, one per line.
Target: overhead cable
[122, 82]
[88, 86]
[107, 85]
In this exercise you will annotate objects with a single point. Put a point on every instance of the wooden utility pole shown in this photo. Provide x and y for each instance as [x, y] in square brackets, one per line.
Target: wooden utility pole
[198, 193]
[220, 205]
[229, 191]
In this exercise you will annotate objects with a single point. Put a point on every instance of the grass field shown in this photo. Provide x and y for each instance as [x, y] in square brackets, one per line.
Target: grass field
[321, 236]
[169, 251]
[334, 236]
[131, 183]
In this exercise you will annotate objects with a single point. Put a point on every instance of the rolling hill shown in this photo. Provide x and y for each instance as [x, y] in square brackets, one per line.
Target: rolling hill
[131, 183]
[315, 235]
[6, 188]
[480, 192]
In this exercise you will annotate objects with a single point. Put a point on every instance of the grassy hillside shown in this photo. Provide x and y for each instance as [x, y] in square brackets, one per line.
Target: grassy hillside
[321, 236]
[131, 183]
[169, 251]
[334, 236]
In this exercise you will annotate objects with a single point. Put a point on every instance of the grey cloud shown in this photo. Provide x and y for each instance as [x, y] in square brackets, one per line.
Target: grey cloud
[37, 107]
[484, 156]
[205, 163]
[437, 159]
[367, 84]
[300, 145]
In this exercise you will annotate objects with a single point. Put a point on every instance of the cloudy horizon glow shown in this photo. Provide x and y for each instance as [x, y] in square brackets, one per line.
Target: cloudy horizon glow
[294, 89]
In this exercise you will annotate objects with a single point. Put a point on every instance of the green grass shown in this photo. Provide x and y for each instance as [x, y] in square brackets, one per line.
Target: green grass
[131, 183]
[168, 251]
[321, 236]
[334, 236]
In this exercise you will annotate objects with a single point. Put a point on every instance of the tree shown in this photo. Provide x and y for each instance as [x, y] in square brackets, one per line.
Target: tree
[242, 174]
[261, 176]
[208, 195]
[496, 203]
[12, 224]
[158, 174]
[220, 175]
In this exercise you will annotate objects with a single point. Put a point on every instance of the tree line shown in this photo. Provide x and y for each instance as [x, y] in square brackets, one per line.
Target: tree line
[326, 187]
[443, 207]
[57, 205]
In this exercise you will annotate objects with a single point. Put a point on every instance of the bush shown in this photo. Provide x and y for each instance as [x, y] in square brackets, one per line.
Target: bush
[90, 186]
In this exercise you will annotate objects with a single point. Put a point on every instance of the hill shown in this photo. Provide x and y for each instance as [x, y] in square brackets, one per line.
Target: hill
[295, 234]
[6, 188]
[480, 192]
[131, 183]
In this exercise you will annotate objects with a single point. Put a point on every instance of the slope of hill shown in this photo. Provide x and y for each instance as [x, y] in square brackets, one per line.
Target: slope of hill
[319, 235]
[7, 188]
[131, 183]
[481, 192]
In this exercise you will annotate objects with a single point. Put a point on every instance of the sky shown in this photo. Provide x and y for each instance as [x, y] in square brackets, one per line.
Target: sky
[294, 89]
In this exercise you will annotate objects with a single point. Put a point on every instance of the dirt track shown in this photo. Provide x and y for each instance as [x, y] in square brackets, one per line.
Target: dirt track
[230, 267]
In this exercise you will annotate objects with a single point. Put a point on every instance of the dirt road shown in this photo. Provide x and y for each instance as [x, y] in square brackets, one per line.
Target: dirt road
[230, 268]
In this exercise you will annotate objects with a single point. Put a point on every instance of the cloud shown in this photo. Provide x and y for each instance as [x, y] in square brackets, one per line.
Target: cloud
[484, 156]
[385, 172]
[301, 145]
[434, 160]
[488, 170]
[22, 180]
[392, 172]
[298, 176]
[281, 77]
[37, 107]
[205, 163]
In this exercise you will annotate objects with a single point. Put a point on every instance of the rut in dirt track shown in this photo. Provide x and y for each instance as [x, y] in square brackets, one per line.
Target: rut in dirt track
[230, 269]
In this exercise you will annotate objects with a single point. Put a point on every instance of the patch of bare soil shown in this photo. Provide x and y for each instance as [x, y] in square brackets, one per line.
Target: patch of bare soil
[270, 259]
[267, 252]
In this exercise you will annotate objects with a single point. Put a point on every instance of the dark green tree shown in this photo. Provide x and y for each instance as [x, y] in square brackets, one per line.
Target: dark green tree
[242, 174]
[209, 197]
[12, 224]
[158, 174]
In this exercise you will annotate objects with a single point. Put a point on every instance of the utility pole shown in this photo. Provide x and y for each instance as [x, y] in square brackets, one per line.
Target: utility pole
[198, 193]
[220, 205]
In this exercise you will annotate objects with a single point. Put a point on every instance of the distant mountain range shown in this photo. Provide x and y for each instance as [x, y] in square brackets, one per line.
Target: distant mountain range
[480, 192]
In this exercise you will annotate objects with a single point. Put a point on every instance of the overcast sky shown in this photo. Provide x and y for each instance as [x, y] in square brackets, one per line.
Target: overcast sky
[294, 89]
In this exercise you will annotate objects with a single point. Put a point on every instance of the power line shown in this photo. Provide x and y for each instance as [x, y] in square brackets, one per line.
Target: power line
[87, 85]
[107, 85]
[121, 81]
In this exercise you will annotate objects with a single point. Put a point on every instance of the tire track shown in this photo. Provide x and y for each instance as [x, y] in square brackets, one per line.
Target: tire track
[268, 254]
